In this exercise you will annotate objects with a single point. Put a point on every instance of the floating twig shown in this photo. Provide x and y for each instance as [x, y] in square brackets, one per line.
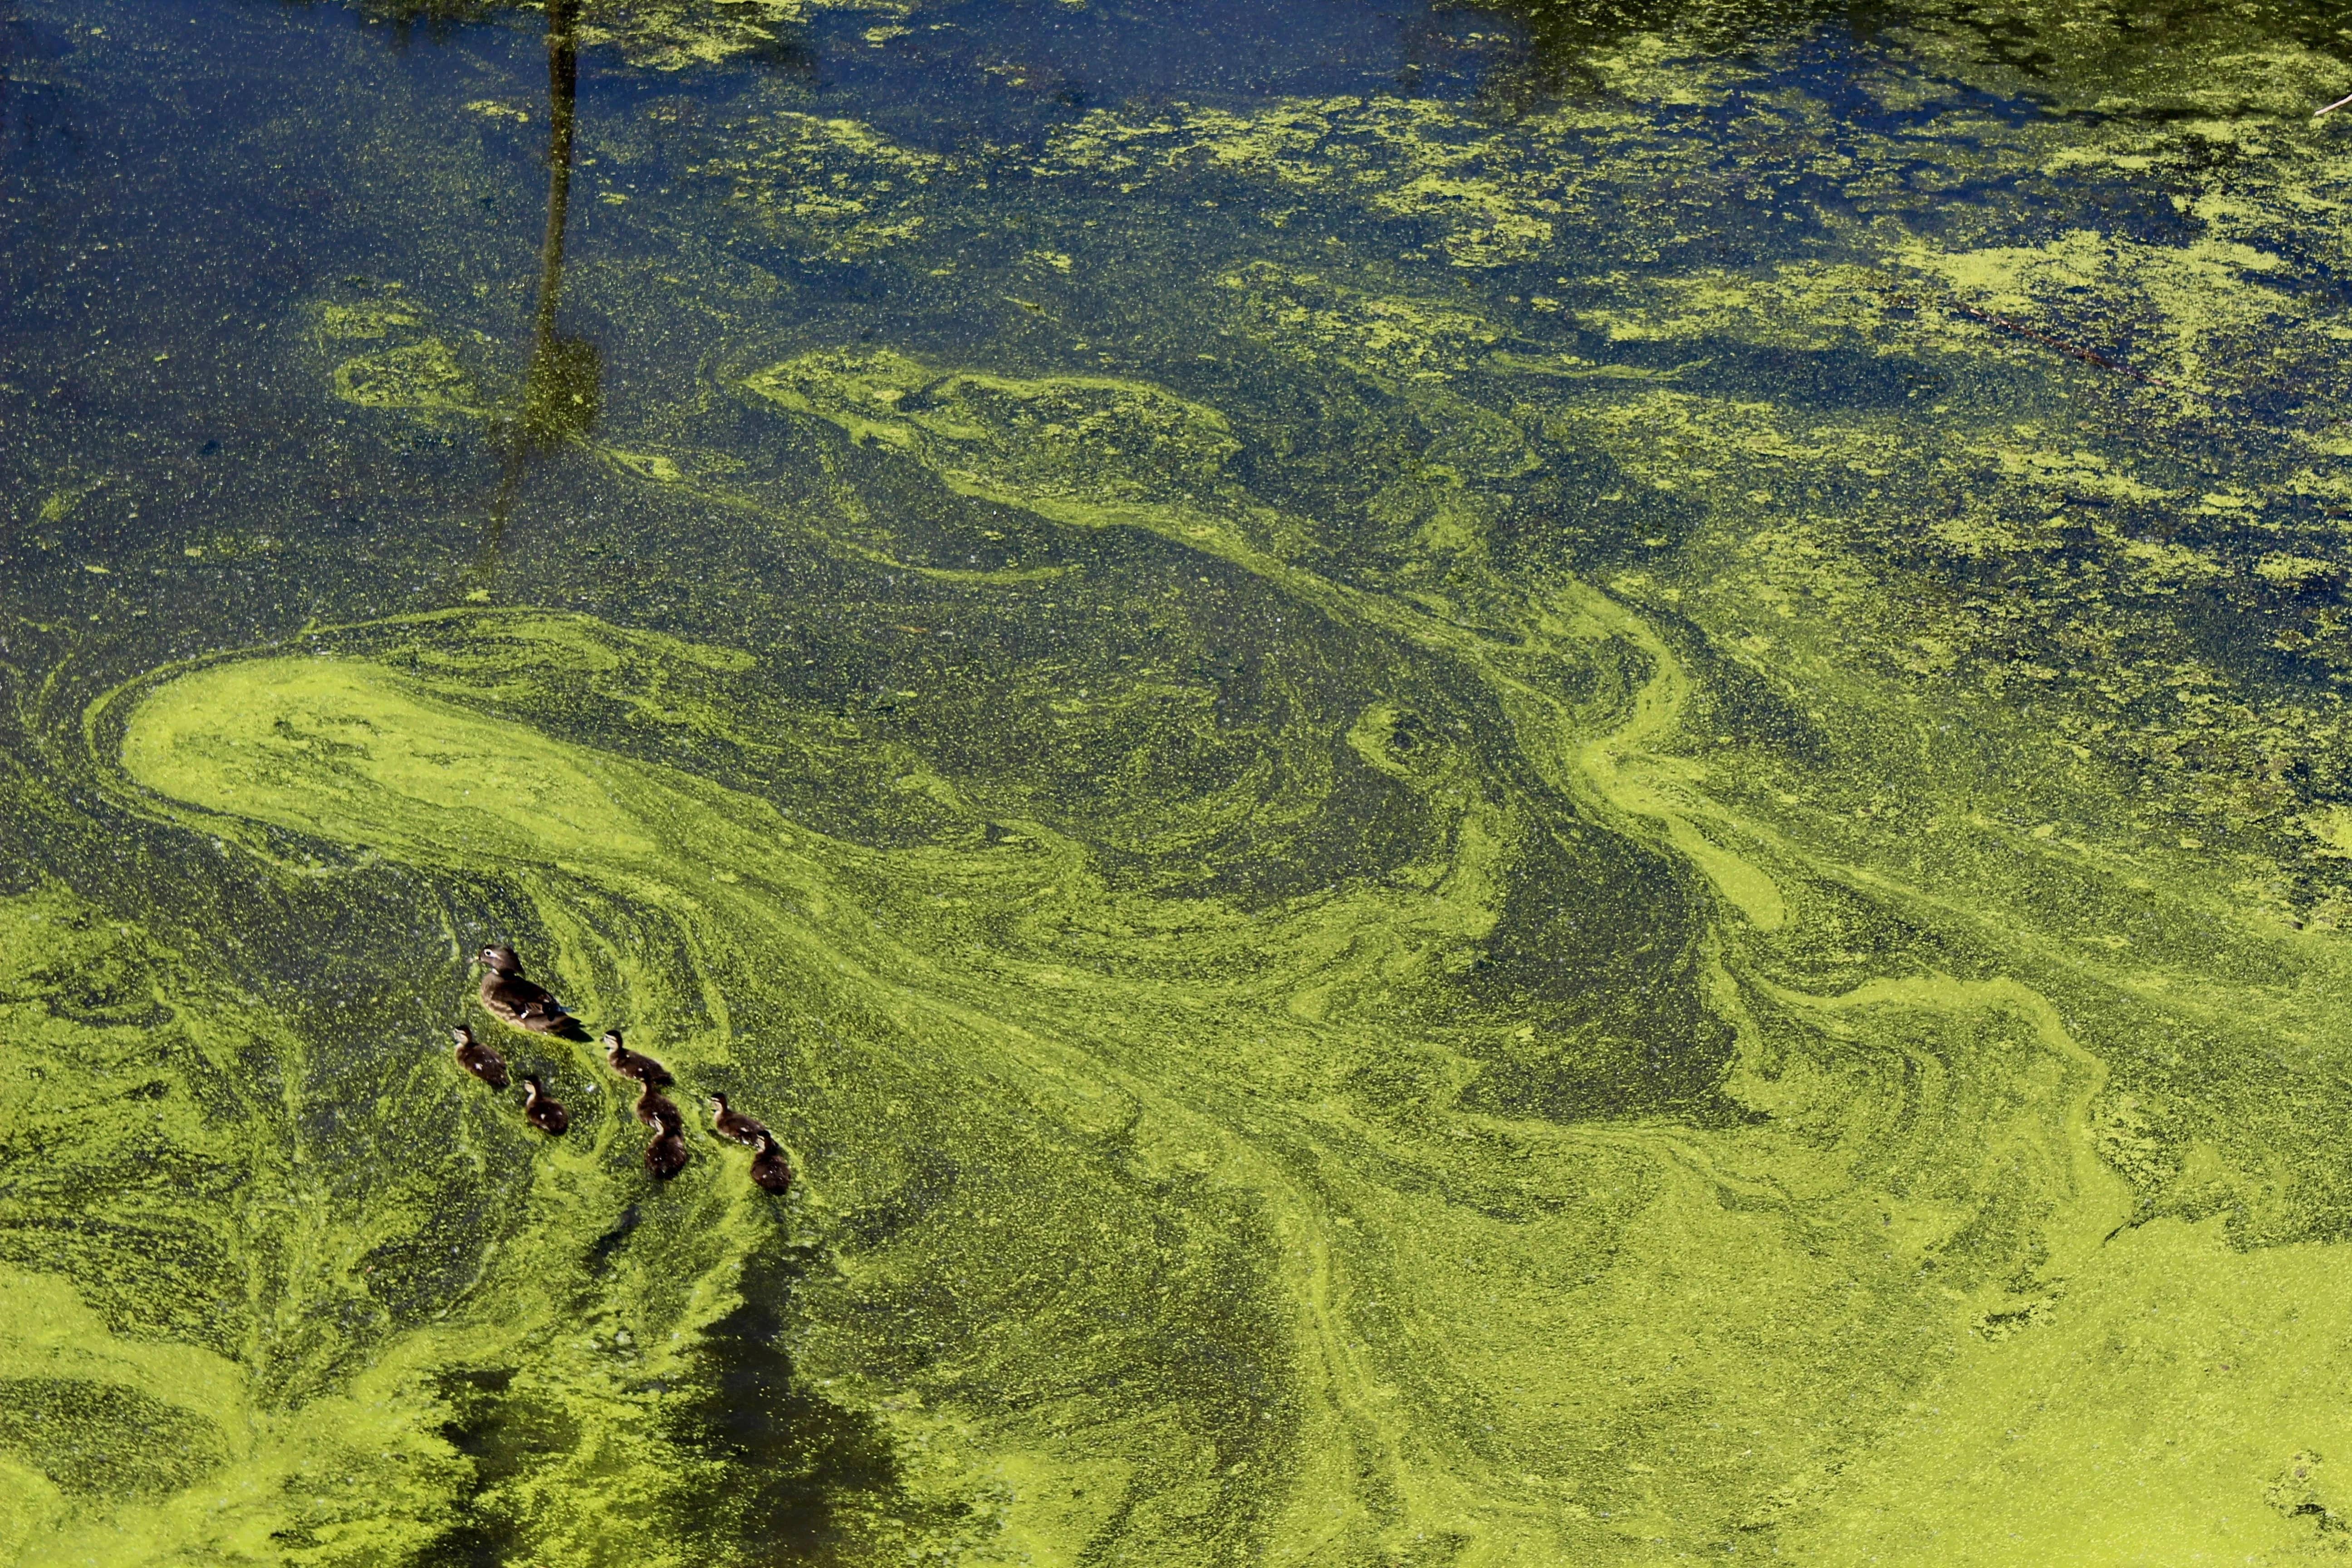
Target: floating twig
[2331, 107]
[2075, 351]
[2088, 356]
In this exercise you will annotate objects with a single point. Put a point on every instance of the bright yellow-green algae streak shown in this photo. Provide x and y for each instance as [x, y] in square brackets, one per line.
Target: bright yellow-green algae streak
[1235, 1227]
[1469, 1335]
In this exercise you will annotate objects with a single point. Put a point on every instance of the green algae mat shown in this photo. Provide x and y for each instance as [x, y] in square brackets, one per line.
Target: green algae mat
[1561, 784]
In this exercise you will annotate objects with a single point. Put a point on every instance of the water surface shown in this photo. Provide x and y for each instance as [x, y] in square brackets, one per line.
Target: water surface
[1484, 787]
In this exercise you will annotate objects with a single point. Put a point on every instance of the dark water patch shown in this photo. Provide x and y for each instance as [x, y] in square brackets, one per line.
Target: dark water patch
[798, 1476]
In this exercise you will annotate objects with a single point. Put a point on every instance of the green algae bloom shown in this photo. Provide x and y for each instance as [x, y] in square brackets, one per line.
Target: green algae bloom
[1596, 816]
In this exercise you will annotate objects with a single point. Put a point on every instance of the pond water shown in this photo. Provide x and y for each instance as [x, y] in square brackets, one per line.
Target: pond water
[1563, 785]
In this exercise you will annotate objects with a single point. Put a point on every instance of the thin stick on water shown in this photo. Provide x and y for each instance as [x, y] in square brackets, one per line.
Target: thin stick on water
[2076, 351]
[2088, 356]
[2332, 107]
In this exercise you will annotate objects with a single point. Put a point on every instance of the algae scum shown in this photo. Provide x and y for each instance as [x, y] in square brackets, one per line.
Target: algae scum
[1527, 786]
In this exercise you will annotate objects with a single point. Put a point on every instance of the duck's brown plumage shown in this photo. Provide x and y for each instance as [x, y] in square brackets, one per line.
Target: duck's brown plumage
[477, 1058]
[540, 1111]
[634, 1064]
[729, 1123]
[513, 1000]
[666, 1156]
[654, 1108]
[770, 1171]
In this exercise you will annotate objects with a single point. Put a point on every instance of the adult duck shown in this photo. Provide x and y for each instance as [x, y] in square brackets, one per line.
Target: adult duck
[477, 1058]
[524, 1004]
[633, 1065]
[770, 1171]
[540, 1111]
[729, 1123]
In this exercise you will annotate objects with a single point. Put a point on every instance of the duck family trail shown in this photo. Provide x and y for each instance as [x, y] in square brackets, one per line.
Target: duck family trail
[1522, 785]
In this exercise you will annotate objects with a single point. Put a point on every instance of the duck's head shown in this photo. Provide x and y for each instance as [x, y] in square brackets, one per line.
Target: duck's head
[531, 1084]
[462, 1035]
[717, 1102]
[612, 1042]
[500, 960]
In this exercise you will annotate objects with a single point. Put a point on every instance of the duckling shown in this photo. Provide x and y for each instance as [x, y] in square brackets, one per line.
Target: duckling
[479, 1059]
[540, 1111]
[770, 1171]
[734, 1124]
[656, 1109]
[629, 1063]
[524, 1004]
[666, 1156]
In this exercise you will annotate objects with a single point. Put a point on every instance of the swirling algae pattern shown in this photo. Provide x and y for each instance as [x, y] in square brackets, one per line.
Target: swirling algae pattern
[1306, 1225]
[1308, 1038]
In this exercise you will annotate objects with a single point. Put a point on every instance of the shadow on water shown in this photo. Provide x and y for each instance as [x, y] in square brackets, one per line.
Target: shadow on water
[563, 384]
[1562, 41]
[804, 1475]
[501, 1437]
[782, 1474]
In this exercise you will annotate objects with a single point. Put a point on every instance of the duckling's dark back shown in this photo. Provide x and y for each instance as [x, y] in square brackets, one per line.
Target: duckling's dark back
[477, 1058]
[543, 1113]
[666, 1155]
[656, 1108]
[770, 1171]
